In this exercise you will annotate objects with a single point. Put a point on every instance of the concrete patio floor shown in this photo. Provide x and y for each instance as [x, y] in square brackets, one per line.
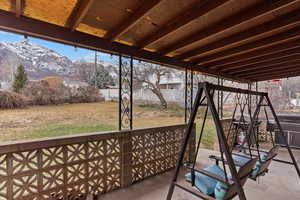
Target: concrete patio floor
[281, 183]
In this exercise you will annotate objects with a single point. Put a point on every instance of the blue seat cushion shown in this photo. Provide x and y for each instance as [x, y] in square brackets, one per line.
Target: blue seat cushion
[205, 183]
[221, 190]
[240, 159]
[243, 160]
[258, 164]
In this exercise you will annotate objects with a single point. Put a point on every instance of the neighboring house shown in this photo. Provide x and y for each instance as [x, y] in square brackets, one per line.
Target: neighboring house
[75, 83]
[54, 81]
[296, 101]
[5, 85]
[171, 83]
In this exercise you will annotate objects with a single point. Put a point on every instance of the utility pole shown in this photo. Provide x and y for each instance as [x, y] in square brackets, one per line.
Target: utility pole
[95, 71]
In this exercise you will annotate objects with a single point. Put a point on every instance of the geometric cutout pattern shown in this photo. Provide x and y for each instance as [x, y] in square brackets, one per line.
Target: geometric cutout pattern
[86, 165]
[154, 152]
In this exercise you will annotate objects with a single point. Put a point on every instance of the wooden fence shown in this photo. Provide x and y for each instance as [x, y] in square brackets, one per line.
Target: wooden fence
[73, 167]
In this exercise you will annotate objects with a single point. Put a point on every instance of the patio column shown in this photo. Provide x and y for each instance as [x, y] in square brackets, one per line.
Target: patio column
[188, 93]
[125, 92]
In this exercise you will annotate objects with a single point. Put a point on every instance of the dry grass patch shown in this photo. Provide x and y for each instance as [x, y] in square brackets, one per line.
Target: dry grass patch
[51, 121]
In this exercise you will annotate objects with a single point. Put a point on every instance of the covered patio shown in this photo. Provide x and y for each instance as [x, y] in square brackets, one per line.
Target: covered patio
[277, 185]
[238, 40]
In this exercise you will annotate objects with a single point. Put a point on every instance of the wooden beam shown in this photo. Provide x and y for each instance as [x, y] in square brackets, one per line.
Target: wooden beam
[280, 38]
[19, 7]
[127, 23]
[35, 28]
[266, 78]
[252, 55]
[281, 24]
[275, 75]
[261, 59]
[199, 8]
[270, 70]
[278, 72]
[79, 13]
[265, 64]
[254, 13]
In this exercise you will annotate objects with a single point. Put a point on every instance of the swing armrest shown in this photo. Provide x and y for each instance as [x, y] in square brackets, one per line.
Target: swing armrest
[217, 158]
[214, 176]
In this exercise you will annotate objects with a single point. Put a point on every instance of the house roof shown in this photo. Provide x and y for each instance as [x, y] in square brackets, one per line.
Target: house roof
[75, 82]
[236, 39]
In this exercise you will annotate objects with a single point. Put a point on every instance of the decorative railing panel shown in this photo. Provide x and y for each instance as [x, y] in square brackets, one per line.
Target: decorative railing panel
[155, 151]
[72, 167]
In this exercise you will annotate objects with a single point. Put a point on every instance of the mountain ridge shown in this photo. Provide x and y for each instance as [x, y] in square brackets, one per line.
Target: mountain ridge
[40, 62]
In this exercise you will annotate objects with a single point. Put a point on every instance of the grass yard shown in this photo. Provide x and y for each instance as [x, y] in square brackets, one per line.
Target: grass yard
[51, 121]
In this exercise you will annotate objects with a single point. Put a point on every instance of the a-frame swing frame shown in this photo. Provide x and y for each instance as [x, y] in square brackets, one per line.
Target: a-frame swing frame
[204, 91]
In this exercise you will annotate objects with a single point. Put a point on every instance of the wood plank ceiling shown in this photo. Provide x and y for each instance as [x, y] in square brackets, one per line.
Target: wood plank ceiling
[243, 40]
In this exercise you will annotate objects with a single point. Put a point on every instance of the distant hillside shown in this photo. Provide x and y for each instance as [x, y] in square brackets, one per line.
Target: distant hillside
[40, 62]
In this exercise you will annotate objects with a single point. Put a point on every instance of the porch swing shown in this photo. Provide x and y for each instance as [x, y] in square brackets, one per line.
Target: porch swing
[251, 139]
[214, 182]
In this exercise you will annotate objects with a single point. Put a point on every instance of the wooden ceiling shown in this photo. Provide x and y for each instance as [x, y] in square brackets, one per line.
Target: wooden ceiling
[244, 40]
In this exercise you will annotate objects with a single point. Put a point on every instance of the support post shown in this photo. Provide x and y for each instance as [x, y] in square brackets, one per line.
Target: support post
[218, 98]
[126, 152]
[222, 99]
[125, 92]
[188, 93]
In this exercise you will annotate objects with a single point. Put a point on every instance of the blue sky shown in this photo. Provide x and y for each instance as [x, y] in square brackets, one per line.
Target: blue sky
[68, 51]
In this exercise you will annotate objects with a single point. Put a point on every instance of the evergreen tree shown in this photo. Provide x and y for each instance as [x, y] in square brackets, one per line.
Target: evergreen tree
[20, 79]
[101, 78]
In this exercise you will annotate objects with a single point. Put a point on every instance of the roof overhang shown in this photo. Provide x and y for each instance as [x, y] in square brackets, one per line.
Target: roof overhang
[240, 40]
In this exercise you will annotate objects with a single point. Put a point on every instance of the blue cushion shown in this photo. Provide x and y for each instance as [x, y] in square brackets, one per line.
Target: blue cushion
[240, 159]
[243, 160]
[205, 183]
[263, 157]
[221, 190]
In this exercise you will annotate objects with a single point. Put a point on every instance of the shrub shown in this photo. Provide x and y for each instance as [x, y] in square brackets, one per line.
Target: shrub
[11, 100]
[39, 93]
[85, 94]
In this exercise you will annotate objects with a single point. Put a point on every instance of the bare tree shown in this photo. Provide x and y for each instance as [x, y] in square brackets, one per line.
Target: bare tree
[150, 75]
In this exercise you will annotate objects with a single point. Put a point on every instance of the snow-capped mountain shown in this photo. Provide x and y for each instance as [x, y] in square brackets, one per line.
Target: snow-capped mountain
[38, 61]
[90, 58]
[111, 67]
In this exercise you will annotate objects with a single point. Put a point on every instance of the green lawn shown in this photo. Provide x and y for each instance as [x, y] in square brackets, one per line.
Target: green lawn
[52, 121]
[66, 129]
[209, 134]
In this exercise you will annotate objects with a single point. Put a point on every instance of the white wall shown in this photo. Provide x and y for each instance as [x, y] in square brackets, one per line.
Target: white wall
[171, 95]
[5, 85]
[110, 94]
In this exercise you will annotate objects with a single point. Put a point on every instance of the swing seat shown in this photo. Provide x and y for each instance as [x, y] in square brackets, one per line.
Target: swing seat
[205, 183]
[212, 184]
[241, 158]
[261, 166]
